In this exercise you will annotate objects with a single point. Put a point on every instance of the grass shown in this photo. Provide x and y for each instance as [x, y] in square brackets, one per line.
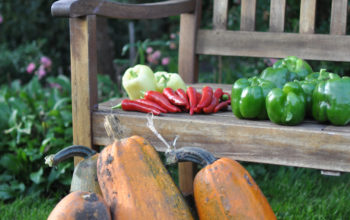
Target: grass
[299, 193]
[294, 193]
[28, 208]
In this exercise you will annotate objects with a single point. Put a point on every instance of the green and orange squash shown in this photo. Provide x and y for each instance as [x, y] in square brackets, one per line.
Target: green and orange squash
[223, 189]
[81, 206]
[84, 175]
[135, 183]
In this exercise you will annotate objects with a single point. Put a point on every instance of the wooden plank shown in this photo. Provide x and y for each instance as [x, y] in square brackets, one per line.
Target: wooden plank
[83, 77]
[220, 14]
[278, 45]
[338, 17]
[248, 13]
[188, 60]
[186, 177]
[78, 8]
[277, 15]
[307, 145]
[307, 16]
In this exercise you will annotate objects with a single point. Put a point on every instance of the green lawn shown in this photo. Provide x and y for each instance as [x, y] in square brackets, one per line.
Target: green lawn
[28, 208]
[294, 193]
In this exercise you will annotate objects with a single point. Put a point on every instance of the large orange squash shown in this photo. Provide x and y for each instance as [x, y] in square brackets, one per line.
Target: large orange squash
[135, 183]
[81, 205]
[84, 175]
[223, 189]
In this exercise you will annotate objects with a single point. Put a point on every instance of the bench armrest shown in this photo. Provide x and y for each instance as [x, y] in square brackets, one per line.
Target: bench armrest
[78, 8]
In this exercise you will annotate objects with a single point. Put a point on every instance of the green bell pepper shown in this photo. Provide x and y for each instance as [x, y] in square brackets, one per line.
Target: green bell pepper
[322, 75]
[308, 87]
[279, 76]
[248, 97]
[137, 80]
[331, 101]
[286, 106]
[295, 66]
[172, 80]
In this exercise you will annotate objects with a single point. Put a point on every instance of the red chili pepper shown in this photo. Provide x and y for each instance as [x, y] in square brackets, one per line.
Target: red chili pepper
[218, 93]
[132, 105]
[210, 108]
[152, 104]
[161, 100]
[207, 94]
[182, 94]
[173, 98]
[192, 97]
[196, 109]
[222, 105]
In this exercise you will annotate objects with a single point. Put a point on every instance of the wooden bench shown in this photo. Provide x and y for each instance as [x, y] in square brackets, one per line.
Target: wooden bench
[310, 144]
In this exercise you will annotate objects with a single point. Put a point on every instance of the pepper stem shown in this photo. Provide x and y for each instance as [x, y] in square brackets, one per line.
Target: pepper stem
[117, 106]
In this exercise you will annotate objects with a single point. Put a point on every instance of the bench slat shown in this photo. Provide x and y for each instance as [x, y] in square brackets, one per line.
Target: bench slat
[307, 16]
[307, 145]
[338, 17]
[220, 14]
[188, 61]
[248, 13]
[277, 15]
[275, 45]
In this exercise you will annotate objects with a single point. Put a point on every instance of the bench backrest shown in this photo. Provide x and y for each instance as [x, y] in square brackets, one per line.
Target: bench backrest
[275, 43]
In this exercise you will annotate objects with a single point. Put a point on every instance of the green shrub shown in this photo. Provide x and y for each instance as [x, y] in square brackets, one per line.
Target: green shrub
[36, 121]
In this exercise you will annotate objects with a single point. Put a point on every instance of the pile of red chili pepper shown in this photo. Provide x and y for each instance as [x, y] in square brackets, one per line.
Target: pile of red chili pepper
[170, 101]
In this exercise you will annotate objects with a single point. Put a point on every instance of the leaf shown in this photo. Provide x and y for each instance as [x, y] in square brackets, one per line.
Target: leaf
[5, 192]
[61, 102]
[125, 49]
[36, 176]
[5, 177]
[11, 163]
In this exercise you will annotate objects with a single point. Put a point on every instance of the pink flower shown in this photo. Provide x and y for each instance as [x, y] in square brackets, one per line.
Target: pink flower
[172, 36]
[45, 61]
[149, 50]
[1, 19]
[55, 85]
[41, 71]
[30, 67]
[172, 45]
[165, 61]
[150, 59]
[156, 55]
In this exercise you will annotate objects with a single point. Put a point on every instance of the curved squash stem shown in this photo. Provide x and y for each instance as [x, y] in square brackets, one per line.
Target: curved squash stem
[190, 154]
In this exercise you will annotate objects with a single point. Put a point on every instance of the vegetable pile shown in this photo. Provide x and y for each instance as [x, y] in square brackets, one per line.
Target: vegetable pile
[289, 91]
[286, 94]
[172, 101]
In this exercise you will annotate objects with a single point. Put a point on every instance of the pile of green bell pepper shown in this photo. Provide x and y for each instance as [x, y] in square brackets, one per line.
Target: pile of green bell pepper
[289, 91]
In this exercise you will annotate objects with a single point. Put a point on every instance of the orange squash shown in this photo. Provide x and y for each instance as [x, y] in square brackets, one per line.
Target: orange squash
[81, 205]
[135, 183]
[223, 189]
[84, 175]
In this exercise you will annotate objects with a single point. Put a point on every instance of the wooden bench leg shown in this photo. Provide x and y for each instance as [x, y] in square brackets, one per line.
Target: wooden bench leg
[186, 176]
[83, 77]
